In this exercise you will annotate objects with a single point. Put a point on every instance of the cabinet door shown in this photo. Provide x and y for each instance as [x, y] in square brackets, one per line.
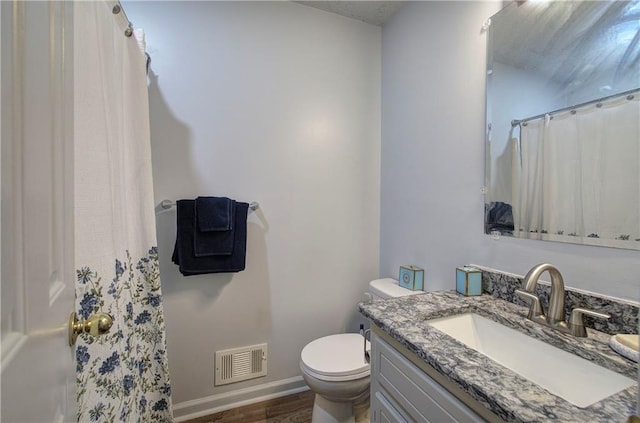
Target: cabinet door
[382, 411]
[417, 395]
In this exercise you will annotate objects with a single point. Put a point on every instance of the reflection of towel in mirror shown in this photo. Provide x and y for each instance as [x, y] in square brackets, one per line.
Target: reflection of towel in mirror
[213, 233]
[498, 217]
[184, 254]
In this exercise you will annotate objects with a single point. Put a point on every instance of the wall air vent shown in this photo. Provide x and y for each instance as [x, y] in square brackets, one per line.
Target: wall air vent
[237, 364]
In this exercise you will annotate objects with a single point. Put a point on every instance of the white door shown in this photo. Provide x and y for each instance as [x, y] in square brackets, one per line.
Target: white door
[37, 282]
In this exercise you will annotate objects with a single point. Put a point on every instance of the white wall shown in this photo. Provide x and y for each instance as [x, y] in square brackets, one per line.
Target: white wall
[433, 81]
[278, 103]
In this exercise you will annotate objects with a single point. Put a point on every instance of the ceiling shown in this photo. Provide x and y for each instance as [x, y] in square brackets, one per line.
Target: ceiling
[372, 12]
[571, 43]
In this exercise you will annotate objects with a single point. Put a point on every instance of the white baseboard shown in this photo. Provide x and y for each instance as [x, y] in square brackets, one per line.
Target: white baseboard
[216, 403]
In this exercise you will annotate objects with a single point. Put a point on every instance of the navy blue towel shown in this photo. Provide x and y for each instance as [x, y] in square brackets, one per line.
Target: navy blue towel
[183, 252]
[213, 233]
[215, 213]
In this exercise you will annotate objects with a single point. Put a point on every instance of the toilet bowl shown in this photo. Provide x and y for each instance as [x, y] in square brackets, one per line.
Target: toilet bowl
[334, 367]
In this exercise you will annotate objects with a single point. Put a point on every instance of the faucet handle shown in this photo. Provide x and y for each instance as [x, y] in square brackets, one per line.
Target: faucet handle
[576, 320]
[535, 309]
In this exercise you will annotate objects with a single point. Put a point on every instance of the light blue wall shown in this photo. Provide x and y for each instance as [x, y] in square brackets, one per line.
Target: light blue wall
[433, 82]
[278, 103]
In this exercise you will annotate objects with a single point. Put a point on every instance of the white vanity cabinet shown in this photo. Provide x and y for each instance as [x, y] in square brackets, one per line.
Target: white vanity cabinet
[402, 392]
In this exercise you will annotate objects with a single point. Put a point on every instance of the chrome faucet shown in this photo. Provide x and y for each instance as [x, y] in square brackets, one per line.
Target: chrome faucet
[555, 315]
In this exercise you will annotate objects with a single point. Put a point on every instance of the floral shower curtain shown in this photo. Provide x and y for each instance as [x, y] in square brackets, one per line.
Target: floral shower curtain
[123, 375]
[579, 172]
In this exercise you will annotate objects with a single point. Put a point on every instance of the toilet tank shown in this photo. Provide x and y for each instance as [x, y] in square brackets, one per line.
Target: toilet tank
[388, 288]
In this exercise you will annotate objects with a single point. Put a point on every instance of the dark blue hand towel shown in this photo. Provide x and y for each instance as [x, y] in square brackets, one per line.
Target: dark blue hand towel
[213, 232]
[183, 252]
[215, 213]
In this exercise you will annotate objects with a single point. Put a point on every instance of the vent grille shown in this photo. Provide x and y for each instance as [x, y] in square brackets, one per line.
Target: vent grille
[239, 364]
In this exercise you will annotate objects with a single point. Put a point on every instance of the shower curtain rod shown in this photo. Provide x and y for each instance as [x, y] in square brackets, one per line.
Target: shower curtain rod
[629, 93]
[117, 9]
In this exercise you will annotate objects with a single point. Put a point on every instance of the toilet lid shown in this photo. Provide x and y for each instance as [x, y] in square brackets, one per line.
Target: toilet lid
[336, 356]
[389, 288]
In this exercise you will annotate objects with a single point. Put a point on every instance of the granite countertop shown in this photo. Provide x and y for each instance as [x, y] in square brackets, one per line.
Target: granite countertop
[505, 393]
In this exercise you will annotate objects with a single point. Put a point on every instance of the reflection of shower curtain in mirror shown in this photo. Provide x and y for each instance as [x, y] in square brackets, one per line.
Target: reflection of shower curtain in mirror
[580, 173]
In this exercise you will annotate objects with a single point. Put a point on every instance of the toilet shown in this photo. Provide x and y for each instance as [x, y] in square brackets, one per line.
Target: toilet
[334, 366]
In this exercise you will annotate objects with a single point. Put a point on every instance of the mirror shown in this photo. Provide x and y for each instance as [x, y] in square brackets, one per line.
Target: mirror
[563, 114]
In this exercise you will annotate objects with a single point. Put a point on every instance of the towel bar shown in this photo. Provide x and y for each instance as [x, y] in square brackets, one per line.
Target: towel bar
[167, 204]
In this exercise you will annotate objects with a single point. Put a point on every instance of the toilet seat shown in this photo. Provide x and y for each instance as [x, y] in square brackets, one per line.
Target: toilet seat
[336, 358]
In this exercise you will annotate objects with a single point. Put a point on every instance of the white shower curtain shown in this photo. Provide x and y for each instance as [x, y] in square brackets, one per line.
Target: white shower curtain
[122, 376]
[579, 173]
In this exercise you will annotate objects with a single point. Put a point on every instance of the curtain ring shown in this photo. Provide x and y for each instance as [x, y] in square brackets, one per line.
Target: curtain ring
[116, 9]
[129, 31]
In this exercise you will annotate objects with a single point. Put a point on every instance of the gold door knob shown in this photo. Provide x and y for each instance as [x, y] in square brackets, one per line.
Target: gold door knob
[96, 325]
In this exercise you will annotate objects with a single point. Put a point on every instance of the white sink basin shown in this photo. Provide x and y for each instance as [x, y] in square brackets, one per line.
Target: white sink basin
[566, 375]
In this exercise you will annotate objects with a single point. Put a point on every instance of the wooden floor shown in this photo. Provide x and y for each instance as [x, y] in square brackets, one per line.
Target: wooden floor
[290, 409]
[295, 408]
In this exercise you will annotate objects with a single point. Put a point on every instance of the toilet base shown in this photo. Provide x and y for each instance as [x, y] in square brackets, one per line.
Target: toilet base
[327, 411]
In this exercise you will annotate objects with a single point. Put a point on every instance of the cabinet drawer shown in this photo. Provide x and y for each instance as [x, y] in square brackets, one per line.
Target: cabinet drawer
[423, 399]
